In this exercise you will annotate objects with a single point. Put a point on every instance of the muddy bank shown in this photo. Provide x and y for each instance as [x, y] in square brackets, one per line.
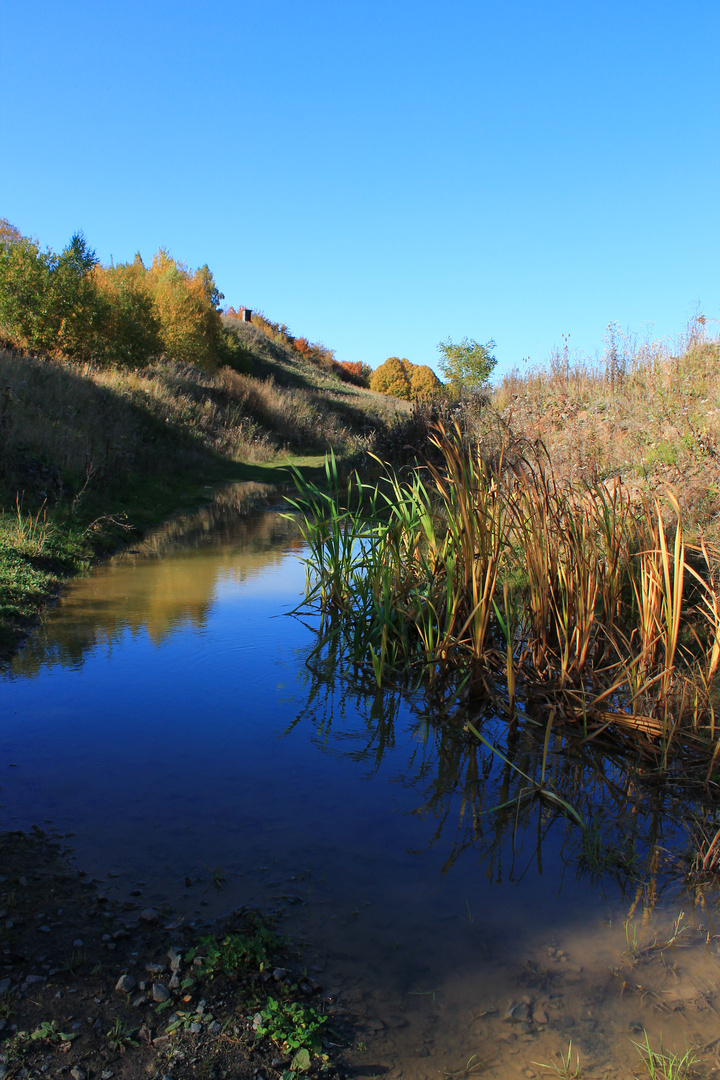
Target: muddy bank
[95, 989]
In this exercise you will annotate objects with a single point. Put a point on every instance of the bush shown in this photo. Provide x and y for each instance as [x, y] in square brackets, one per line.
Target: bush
[402, 379]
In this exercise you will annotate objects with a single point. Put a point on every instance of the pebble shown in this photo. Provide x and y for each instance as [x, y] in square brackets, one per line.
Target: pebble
[195, 1029]
[517, 1012]
[139, 1001]
[77, 943]
[279, 973]
[540, 1016]
[214, 1028]
[77, 1073]
[161, 1042]
[160, 993]
[174, 983]
[5, 985]
[106, 1075]
[149, 915]
[45, 930]
[126, 984]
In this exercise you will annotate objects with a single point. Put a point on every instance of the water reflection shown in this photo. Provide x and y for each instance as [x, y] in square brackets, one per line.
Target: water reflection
[144, 590]
[177, 719]
[491, 800]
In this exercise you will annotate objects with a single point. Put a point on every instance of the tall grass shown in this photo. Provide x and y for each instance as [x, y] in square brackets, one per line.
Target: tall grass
[506, 583]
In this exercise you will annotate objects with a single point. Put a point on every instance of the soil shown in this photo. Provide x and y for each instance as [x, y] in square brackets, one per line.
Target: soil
[64, 949]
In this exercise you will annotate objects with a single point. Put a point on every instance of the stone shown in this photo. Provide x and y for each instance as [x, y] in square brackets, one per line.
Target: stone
[517, 1012]
[279, 973]
[139, 1001]
[77, 1073]
[126, 984]
[215, 1028]
[149, 915]
[107, 1074]
[195, 1029]
[160, 993]
[5, 985]
[174, 983]
[540, 1016]
[44, 929]
[154, 969]
[31, 980]
[161, 1042]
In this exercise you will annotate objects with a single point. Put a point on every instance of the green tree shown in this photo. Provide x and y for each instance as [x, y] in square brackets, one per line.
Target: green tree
[468, 365]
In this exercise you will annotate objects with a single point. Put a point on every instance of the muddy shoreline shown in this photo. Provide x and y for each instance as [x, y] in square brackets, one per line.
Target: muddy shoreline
[94, 988]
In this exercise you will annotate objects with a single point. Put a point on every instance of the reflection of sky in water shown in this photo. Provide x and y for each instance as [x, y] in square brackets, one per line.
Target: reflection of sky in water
[168, 712]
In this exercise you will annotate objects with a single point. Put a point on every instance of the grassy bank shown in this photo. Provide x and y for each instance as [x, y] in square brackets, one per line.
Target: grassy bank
[93, 456]
[647, 413]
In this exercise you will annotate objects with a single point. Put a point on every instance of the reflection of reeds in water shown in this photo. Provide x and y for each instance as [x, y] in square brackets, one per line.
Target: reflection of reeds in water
[499, 582]
[516, 810]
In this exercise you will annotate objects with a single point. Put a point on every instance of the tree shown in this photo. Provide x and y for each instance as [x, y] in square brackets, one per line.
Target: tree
[467, 365]
[424, 381]
[392, 378]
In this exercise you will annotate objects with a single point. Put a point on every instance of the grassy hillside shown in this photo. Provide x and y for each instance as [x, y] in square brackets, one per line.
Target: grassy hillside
[648, 414]
[92, 455]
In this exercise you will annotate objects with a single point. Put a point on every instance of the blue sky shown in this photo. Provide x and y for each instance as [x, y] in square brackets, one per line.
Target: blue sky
[383, 175]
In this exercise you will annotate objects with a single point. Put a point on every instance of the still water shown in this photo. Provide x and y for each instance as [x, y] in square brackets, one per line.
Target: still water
[174, 716]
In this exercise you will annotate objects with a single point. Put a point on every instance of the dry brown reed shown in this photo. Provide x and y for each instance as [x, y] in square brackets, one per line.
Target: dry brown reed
[516, 584]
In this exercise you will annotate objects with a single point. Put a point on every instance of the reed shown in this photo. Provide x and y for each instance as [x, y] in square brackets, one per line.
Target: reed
[501, 582]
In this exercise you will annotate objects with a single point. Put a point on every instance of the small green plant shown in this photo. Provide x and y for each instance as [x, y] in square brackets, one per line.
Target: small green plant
[48, 1032]
[631, 940]
[662, 1065]
[236, 952]
[293, 1027]
[218, 876]
[564, 1067]
[120, 1036]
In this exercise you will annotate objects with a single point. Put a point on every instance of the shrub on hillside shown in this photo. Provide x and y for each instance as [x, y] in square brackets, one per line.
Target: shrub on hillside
[402, 379]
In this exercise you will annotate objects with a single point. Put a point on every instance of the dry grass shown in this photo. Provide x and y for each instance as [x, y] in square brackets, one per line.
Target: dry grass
[648, 414]
[64, 426]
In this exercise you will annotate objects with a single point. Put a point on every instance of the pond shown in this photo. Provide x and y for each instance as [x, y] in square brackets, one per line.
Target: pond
[176, 718]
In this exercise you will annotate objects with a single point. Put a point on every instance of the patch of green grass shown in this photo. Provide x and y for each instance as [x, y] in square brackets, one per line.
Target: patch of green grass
[662, 1065]
[564, 1066]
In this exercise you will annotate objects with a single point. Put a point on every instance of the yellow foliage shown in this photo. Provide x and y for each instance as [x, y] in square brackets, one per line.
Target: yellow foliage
[402, 379]
[183, 302]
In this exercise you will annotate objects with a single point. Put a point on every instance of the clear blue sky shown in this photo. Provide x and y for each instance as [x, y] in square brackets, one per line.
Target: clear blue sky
[383, 175]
